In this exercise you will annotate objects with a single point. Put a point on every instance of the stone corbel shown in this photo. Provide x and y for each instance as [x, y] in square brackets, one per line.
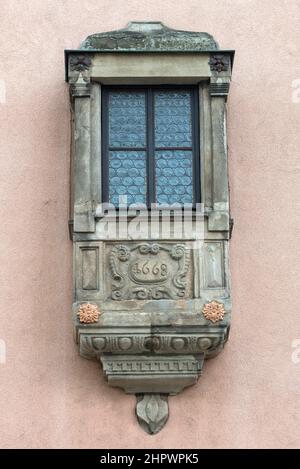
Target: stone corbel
[152, 363]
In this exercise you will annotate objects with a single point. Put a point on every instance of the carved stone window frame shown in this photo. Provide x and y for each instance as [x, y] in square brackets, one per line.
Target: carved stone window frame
[87, 70]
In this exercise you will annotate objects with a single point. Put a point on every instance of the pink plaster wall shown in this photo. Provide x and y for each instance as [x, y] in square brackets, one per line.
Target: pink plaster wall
[249, 395]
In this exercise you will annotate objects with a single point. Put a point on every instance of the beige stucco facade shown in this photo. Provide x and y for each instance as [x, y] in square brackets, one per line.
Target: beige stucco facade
[248, 396]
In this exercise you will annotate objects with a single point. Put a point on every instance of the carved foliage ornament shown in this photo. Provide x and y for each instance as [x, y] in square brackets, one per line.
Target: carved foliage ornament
[80, 63]
[219, 63]
[214, 311]
[152, 411]
[149, 271]
[88, 313]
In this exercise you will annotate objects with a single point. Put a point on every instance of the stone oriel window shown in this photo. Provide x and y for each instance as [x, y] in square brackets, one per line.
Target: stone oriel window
[150, 146]
[149, 111]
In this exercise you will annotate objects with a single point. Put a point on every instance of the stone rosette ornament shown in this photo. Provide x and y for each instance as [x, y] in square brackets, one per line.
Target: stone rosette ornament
[88, 313]
[214, 311]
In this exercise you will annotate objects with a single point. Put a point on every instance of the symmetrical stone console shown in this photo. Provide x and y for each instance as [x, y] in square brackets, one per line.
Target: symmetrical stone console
[140, 312]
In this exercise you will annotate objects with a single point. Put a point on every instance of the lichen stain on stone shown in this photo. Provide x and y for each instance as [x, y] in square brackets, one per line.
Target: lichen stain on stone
[151, 37]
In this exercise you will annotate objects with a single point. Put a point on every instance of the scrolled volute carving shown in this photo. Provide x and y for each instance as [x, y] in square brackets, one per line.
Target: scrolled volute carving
[177, 251]
[149, 248]
[118, 253]
[123, 253]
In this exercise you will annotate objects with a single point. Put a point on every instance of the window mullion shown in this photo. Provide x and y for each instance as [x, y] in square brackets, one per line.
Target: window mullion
[105, 145]
[151, 147]
[196, 147]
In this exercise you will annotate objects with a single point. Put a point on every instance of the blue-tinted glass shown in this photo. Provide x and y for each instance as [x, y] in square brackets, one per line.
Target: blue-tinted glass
[174, 181]
[127, 119]
[127, 176]
[173, 119]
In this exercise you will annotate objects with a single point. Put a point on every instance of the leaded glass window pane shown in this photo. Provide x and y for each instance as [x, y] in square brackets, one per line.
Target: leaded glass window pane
[127, 119]
[174, 178]
[173, 119]
[127, 177]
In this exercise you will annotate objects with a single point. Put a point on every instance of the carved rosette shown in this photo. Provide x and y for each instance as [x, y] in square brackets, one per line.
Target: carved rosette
[219, 63]
[149, 271]
[88, 313]
[214, 311]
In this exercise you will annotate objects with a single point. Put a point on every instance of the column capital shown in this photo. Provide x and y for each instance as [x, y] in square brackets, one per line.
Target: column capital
[219, 86]
[80, 87]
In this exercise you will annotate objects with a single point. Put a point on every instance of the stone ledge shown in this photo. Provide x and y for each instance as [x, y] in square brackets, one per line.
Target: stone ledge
[133, 343]
[148, 374]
